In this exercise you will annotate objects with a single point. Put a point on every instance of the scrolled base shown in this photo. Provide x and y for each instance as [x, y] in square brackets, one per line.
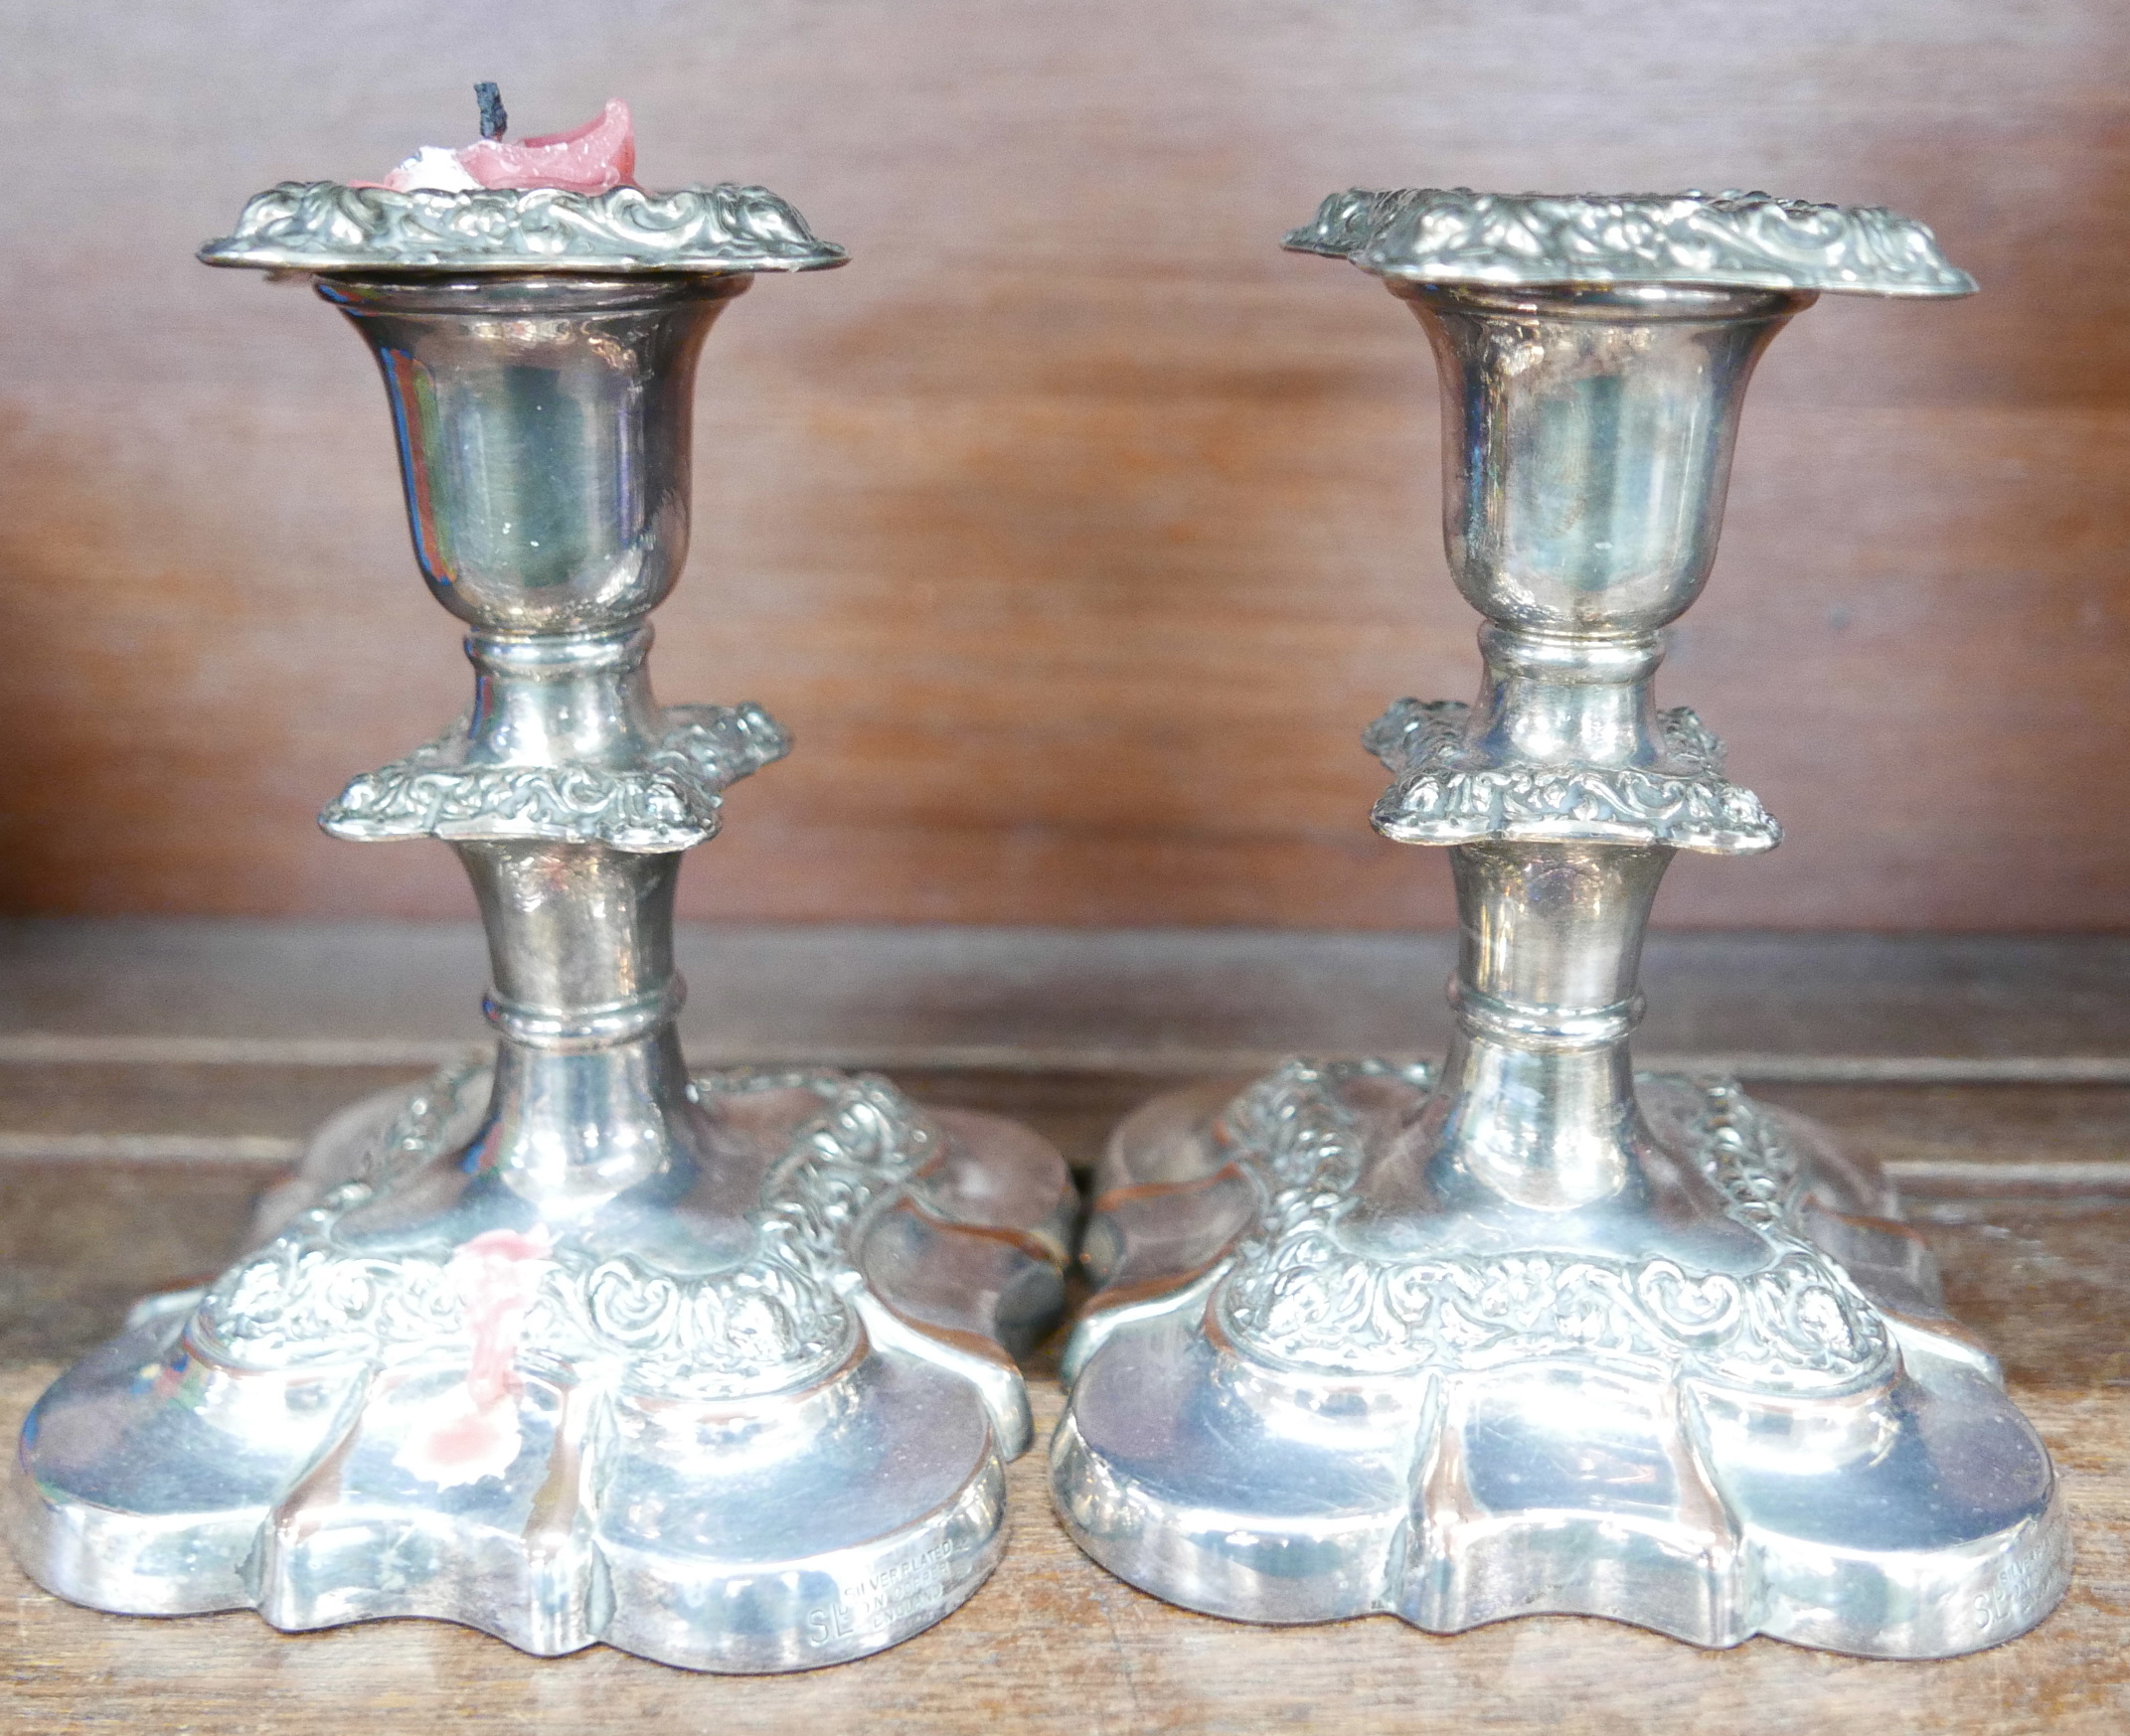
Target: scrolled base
[723, 1452]
[1274, 1419]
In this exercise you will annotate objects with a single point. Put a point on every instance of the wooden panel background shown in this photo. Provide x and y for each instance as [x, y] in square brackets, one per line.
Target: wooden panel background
[1074, 528]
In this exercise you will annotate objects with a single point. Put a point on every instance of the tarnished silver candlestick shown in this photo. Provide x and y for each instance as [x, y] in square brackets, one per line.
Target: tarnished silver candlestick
[1510, 1335]
[573, 1349]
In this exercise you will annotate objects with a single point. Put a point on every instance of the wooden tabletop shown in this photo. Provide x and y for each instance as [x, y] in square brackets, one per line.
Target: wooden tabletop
[2021, 1190]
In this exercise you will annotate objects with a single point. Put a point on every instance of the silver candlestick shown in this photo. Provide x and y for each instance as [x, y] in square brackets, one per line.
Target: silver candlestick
[1513, 1334]
[572, 1349]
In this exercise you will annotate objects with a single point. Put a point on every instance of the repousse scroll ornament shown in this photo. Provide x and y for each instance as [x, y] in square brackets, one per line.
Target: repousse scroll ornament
[668, 802]
[1434, 234]
[574, 1347]
[1527, 1333]
[321, 226]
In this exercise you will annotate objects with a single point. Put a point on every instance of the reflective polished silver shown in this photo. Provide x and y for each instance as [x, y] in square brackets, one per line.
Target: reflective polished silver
[1525, 1333]
[574, 1347]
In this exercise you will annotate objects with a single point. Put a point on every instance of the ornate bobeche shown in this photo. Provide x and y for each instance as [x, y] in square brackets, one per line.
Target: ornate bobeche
[1438, 234]
[322, 225]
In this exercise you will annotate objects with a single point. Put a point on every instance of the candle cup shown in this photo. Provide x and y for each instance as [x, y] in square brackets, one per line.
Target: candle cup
[571, 1347]
[1524, 1333]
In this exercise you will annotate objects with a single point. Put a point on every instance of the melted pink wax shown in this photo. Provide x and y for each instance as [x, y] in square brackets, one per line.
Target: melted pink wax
[595, 157]
[470, 1429]
[497, 1275]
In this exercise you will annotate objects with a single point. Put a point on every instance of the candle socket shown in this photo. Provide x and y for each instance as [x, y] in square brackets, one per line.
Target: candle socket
[1523, 1332]
[574, 1346]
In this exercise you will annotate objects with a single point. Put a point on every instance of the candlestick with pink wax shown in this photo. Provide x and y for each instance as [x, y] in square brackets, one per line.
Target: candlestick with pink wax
[576, 1348]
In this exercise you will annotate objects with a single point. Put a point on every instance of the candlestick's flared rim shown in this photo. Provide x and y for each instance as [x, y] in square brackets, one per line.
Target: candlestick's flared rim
[1745, 241]
[324, 227]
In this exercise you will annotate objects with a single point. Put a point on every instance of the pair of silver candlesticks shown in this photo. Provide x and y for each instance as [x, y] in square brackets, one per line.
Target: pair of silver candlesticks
[719, 1369]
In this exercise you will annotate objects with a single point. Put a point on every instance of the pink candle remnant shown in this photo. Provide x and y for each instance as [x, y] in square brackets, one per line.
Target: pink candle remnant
[497, 1275]
[470, 1429]
[598, 156]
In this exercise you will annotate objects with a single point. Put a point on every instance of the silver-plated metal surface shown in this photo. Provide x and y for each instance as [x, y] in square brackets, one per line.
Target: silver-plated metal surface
[1438, 234]
[1516, 1335]
[574, 1347]
[321, 226]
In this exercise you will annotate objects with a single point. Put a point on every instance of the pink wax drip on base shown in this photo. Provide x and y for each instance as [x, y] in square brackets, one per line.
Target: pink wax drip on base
[593, 158]
[470, 1429]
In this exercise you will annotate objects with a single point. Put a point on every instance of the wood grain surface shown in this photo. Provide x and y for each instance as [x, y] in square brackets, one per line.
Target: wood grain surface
[1074, 529]
[1051, 1644]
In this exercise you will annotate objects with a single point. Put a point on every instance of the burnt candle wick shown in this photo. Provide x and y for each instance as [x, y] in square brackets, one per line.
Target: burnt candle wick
[494, 119]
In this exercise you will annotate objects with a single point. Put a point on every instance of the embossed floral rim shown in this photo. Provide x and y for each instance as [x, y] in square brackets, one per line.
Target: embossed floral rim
[321, 226]
[1433, 234]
